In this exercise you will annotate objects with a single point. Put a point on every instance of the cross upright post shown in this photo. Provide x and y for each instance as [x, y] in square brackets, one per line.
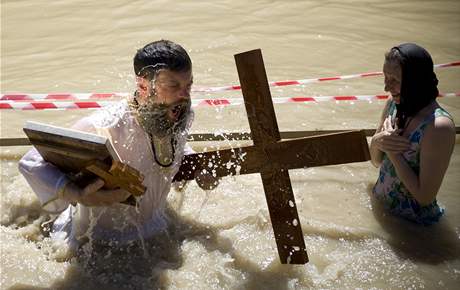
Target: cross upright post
[275, 179]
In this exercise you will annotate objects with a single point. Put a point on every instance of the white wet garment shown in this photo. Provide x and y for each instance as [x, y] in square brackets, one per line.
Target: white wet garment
[119, 222]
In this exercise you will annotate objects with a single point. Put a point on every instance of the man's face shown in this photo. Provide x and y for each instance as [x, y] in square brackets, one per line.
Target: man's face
[164, 103]
[170, 89]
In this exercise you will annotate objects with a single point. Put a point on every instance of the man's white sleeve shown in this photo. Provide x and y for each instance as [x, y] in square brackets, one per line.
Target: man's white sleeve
[45, 179]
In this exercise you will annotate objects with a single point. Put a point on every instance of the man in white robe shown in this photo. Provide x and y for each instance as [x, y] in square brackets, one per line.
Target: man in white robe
[148, 133]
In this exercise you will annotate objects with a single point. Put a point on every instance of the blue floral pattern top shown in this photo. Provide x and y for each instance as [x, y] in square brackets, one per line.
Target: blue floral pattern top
[390, 190]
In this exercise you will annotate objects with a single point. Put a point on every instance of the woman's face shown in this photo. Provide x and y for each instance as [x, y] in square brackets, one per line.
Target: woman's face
[393, 76]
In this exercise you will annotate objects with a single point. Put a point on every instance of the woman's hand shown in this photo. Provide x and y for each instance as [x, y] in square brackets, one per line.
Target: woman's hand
[93, 194]
[388, 139]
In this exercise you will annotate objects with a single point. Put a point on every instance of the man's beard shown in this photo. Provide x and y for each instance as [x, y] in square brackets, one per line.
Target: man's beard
[154, 119]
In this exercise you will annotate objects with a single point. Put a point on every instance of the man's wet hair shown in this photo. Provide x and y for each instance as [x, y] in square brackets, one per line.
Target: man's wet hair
[161, 54]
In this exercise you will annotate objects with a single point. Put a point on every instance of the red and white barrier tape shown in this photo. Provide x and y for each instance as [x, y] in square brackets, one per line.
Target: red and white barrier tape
[46, 105]
[62, 97]
[315, 80]
[106, 96]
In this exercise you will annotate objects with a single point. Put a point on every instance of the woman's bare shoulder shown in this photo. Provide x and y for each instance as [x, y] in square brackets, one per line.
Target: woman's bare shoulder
[442, 128]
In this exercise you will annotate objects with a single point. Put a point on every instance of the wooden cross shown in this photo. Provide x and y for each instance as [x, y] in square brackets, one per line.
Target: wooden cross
[272, 158]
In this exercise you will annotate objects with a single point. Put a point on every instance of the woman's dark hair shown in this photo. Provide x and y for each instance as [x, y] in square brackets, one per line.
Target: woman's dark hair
[162, 54]
[418, 80]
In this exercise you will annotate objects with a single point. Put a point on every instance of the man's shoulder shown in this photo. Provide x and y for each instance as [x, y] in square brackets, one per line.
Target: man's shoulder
[112, 116]
[191, 117]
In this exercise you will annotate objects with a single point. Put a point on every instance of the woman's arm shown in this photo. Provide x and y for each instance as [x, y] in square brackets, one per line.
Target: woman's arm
[436, 149]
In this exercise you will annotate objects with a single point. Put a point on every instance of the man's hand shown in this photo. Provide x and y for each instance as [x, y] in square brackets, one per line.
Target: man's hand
[389, 141]
[93, 194]
[206, 180]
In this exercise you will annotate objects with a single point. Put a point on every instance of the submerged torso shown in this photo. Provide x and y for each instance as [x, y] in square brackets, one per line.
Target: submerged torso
[392, 191]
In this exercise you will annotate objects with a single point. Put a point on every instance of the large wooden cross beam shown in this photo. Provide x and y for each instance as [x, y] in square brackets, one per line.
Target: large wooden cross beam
[272, 158]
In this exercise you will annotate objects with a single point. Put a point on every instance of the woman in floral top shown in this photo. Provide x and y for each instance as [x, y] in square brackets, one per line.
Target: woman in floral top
[415, 138]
